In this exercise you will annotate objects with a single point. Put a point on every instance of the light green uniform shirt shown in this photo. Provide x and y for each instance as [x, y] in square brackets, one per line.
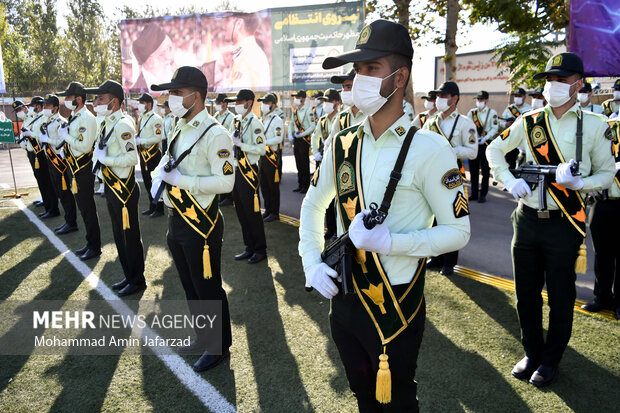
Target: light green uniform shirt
[306, 117]
[121, 153]
[417, 123]
[252, 137]
[420, 189]
[615, 105]
[507, 114]
[225, 118]
[317, 136]
[489, 119]
[150, 129]
[34, 125]
[55, 121]
[274, 130]
[208, 169]
[597, 165]
[356, 119]
[169, 125]
[464, 139]
[592, 108]
[82, 132]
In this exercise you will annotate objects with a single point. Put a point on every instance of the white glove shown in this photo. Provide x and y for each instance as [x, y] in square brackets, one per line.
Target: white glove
[377, 239]
[237, 141]
[155, 186]
[318, 156]
[26, 132]
[173, 177]
[617, 166]
[63, 132]
[482, 140]
[564, 176]
[62, 153]
[100, 154]
[518, 188]
[44, 138]
[319, 276]
[138, 141]
[290, 137]
[297, 134]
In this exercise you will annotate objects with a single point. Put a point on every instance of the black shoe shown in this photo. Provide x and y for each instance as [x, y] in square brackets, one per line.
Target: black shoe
[265, 214]
[544, 376]
[303, 190]
[90, 254]
[257, 258]
[81, 251]
[482, 199]
[66, 229]
[42, 213]
[298, 189]
[271, 217]
[131, 289]
[147, 212]
[433, 264]
[226, 202]
[38, 203]
[120, 285]
[243, 256]
[593, 306]
[50, 214]
[193, 348]
[617, 313]
[523, 370]
[447, 271]
[208, 361]
[473, 198]
[156, 214]
[59, 226]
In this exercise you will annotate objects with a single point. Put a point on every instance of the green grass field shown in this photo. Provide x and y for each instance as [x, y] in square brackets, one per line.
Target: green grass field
[283, 359]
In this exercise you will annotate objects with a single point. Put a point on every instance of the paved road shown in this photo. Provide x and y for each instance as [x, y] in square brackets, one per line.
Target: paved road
[488, 249]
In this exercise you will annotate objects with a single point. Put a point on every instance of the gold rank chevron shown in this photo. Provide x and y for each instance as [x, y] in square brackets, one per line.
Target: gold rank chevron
[461, 207]
[227, 168]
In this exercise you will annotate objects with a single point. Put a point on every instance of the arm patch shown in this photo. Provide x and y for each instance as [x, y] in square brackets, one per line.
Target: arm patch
[227, 169]
[505, 134]
[126, 136]
[460, 206]
[452, 179]
[223, 153]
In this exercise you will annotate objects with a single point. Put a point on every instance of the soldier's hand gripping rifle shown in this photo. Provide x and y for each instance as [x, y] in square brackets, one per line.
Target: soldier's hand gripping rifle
[102, 144]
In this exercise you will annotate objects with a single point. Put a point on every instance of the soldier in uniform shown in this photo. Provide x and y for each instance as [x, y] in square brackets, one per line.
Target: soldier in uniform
[269, 163]
[429, 105]
[378, 329]
[584, 96]
[116, 154]
[79, 137]
[58, 168]
[249, 141]
[604, 227]
[300, 130]
[611, 106]
[546, 242]
[201, 151]
[461, 133]
[150, 135]
[317, 108]
[485, 120]
[169, 125]
[408, 110]
[31, 131]
[538, 100]
[512, 112]
[351, 115]
[225, 118]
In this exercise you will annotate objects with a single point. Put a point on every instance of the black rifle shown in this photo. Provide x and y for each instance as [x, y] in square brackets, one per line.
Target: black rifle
[236, 149]
[102, 144]
[541, 176]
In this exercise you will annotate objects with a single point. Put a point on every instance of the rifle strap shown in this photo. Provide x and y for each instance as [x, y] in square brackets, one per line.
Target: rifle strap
[188, 150]
[579, 141]
[396, 174]
[453, 128]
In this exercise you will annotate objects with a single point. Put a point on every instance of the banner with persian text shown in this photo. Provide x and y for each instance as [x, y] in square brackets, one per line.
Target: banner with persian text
[273, 49]
[475, 72]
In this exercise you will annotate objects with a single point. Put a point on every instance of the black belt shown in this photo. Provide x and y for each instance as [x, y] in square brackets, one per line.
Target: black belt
[547, 214]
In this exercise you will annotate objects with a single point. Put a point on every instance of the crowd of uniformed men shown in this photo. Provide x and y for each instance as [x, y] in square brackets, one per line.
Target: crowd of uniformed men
[193, 162]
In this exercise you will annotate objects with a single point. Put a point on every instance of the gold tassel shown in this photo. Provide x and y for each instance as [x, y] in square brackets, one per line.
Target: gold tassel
[36, 162]
[384, 380]
[277, 177]
[74, 187]
[206, 262]
[466, 193]
[581, 265]
[256, 203]
[64, 183]
[125, 218]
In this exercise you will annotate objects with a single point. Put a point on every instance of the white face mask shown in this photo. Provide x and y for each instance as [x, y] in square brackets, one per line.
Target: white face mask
[69, 105]
[264, 107]
[429, 104]
[480, 105]
[297, 102]
[616, 94]
[583, 97]
[347, 97]
[218, 108]
[442, 104]
[557, 93]
[47, 112]
[141, 108]
[317, 102]
[329, 107]
[537, 103]
[240, 109]
[102, 110]
[518, 101]
[21, 114]
[366, 93]
[175, 103]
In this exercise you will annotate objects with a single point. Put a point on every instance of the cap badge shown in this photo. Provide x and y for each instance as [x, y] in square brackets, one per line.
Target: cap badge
[557, 61]
[364, 36]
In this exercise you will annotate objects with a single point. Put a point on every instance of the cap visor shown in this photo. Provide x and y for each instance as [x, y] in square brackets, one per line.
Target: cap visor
[168, 86]
[94, 91]
[61, 93]
[557, 72]
[357, 55]
[233, 99]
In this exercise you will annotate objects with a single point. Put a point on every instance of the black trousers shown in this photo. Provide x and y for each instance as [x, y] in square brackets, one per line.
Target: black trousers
[186, 247]
[359, 346]
[269, 187]
[67, 200]
[86, 204]
[147, 168]
[251, 222]
[544, 251]
[480, 164]
[605, 227]
[44, 182]
[129, 241]
[301, 150]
